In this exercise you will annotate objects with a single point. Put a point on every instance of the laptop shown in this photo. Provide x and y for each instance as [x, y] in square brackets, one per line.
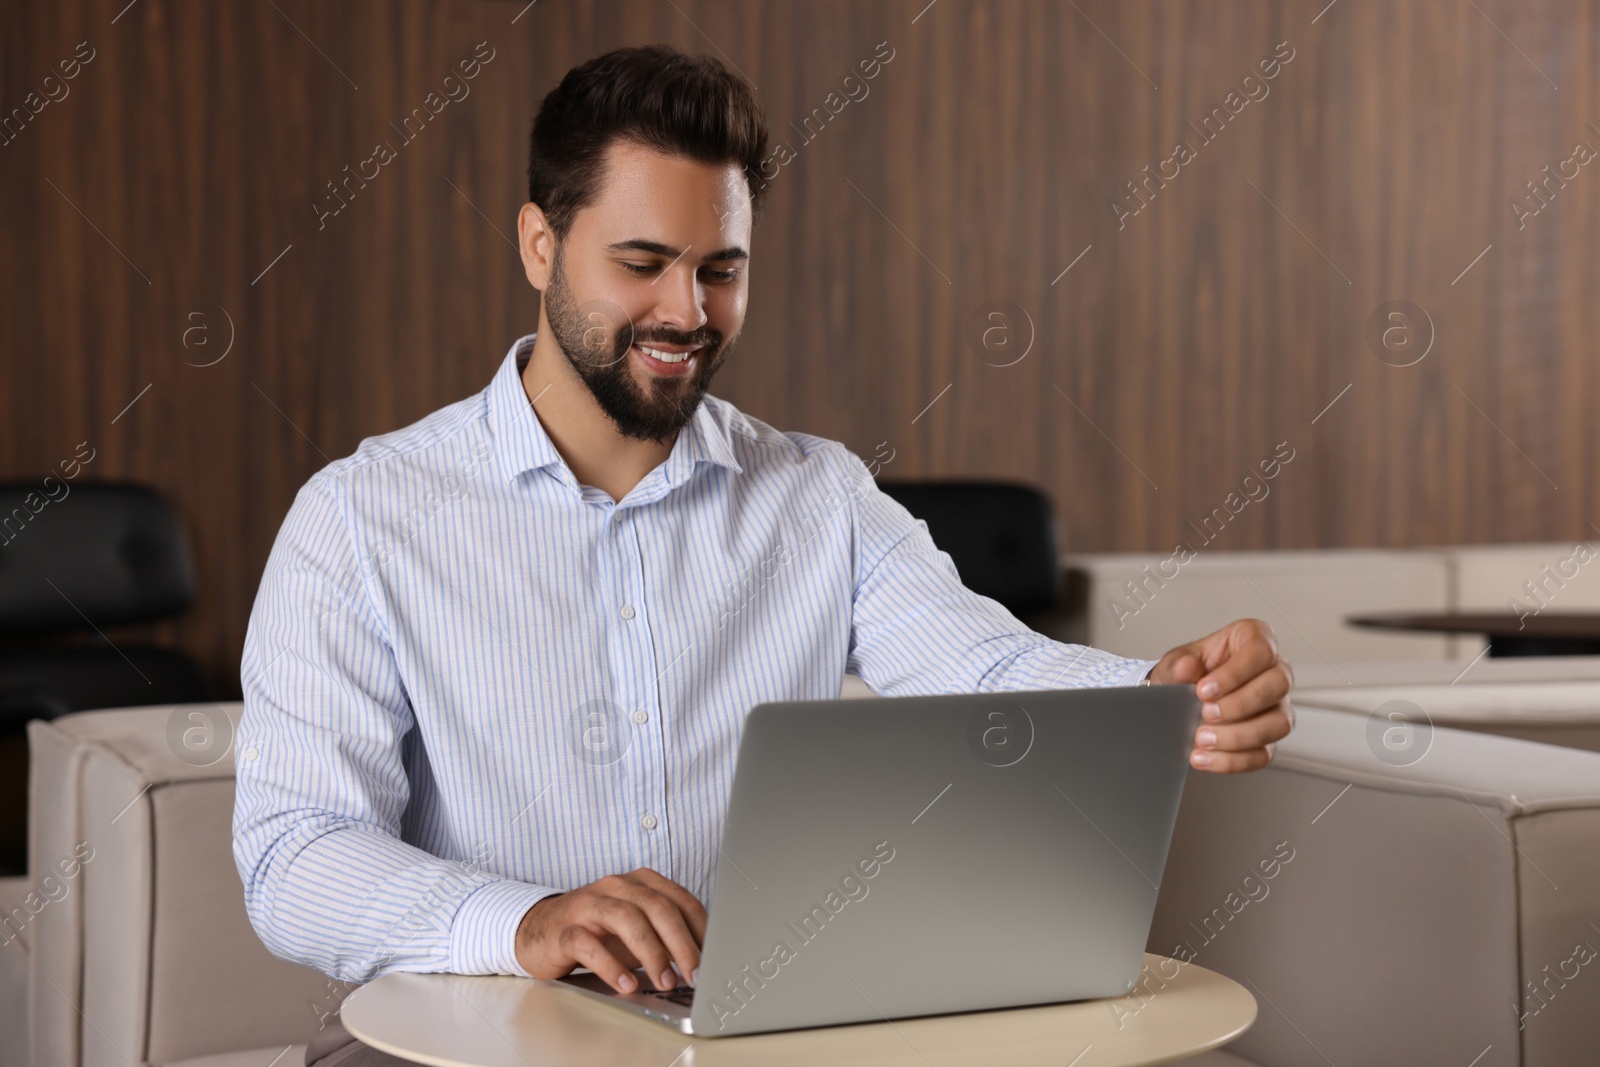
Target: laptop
[904, 856]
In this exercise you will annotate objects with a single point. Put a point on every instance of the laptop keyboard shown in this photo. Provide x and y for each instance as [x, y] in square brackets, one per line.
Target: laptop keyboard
[683, 994]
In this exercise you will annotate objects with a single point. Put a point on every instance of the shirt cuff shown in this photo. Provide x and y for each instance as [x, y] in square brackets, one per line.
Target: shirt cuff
[1139, 668]
[483, 936]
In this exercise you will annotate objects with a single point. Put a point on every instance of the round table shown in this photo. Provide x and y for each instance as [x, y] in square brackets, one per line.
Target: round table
[448, 1020]
[1547, 633]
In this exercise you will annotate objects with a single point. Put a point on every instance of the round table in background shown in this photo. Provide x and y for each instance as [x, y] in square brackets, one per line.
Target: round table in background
[1547, 633]
[501, 1021]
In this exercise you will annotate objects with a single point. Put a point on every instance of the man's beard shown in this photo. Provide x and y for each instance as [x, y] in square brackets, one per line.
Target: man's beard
[596, 345]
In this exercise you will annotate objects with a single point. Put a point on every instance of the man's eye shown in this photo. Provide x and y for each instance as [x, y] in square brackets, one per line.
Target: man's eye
[720, 276]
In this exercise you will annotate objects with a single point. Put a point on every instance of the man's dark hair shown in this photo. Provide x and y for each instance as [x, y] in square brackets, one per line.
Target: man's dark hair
[655, 96]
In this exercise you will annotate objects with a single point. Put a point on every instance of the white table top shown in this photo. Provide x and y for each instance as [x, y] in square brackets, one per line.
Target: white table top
[500, 1021]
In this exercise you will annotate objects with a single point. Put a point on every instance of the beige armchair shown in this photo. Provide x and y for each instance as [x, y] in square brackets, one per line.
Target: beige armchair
[144, 955]
[1386, 913]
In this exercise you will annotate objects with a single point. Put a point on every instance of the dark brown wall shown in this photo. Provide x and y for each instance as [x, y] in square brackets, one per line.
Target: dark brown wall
[1186, 343]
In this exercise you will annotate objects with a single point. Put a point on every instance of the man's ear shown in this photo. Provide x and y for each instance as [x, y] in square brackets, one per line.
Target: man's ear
[537, 243]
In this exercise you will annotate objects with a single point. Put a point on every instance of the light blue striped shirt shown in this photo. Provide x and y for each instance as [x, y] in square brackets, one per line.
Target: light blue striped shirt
[470, 681]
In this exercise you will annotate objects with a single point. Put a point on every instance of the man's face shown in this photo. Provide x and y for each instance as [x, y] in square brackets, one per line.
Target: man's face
[657, 261]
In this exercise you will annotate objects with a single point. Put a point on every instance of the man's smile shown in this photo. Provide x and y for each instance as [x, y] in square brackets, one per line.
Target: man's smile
[668, 360]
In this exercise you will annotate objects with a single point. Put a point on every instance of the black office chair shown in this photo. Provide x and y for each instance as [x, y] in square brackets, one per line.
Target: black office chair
[1000, 535]
[76, 558]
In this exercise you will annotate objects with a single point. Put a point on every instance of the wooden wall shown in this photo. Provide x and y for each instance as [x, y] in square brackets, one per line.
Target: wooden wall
[167, 199]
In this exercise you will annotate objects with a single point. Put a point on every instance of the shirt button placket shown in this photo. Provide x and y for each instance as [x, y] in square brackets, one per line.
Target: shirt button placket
[648, 821]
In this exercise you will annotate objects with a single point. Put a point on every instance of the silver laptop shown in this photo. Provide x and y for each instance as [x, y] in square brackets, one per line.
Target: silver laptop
[895, 857]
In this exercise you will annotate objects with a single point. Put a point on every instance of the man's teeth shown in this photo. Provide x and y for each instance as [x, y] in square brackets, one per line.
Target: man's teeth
[667, 357]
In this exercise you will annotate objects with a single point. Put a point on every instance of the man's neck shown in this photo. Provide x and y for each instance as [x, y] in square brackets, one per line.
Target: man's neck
[598, 454]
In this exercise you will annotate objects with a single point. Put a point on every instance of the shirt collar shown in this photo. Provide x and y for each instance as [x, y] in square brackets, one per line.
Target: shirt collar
[523, 445]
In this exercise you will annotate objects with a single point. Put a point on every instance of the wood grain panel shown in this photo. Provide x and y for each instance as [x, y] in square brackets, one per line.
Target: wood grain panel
[1175, 354]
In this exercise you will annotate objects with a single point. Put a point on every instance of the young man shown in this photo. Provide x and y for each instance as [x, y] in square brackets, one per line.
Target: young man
[499, 660]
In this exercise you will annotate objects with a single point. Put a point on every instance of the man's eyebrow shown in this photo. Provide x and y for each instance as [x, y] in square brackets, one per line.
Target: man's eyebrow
[639, 244]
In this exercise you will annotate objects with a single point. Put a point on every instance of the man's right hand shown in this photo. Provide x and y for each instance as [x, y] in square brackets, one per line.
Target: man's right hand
[623, 921]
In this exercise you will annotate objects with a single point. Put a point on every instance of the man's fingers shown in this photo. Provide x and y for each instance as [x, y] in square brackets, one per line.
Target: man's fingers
[583, 946]
[1255, 651]
[614, 925]
[1256, 732]
[694, 912]
[634, 928]
[1232, 762]
[1187, 666]
[1263, 691]
[671, 928]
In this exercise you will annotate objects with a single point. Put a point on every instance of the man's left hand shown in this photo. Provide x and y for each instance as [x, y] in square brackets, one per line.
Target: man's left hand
[1244, 687]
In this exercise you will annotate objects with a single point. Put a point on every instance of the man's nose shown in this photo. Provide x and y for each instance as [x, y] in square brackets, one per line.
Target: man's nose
[681, 303]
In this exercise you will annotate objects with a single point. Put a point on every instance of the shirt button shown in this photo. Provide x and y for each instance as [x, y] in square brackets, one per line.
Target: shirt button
[648, 822]
[641, 717]
[627, 611]
[251, 753]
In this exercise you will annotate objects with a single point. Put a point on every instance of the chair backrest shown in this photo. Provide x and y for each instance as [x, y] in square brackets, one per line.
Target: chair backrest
[1000, 535]
[1562, 576]
[1141, 604]
[94, 552]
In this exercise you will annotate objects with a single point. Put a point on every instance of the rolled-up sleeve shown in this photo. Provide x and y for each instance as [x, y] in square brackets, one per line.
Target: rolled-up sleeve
[322, 787]
[915, 629]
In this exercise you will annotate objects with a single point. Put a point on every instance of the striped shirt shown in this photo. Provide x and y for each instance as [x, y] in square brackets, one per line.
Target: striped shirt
[471, 681]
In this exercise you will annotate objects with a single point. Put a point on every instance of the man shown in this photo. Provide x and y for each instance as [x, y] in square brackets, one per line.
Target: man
[498, 664]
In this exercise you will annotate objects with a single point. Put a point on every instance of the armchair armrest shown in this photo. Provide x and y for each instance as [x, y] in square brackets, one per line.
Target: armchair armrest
[1389, 914]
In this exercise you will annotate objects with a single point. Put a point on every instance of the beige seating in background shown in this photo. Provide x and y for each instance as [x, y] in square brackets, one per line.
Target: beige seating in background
[1307, 595]
[1304, 595]
[1421, 907]
[149, 957]
[1490, 577]
[855, 689]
